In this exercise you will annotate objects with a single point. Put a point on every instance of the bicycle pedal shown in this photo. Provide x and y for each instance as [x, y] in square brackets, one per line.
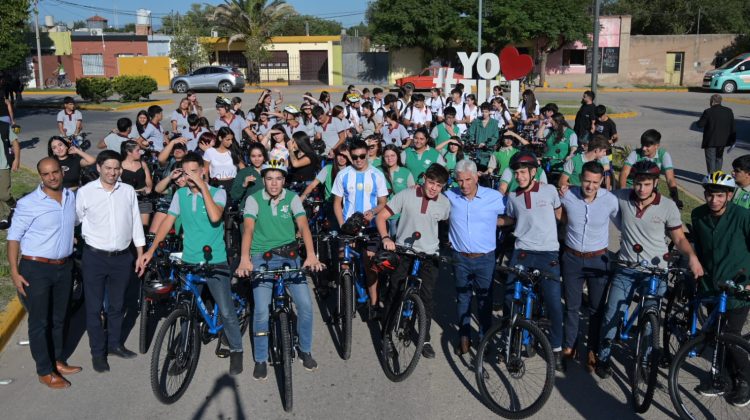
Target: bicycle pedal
[222, 353]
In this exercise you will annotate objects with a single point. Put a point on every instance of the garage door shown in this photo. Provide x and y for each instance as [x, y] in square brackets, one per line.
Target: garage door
[314, 66]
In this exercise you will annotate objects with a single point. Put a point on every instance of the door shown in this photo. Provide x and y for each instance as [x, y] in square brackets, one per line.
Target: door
[199, 78]
[673, 71]
[743, 75]
[313, 66]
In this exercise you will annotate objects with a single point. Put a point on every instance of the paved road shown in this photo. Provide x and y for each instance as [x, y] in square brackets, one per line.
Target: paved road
[442, 388]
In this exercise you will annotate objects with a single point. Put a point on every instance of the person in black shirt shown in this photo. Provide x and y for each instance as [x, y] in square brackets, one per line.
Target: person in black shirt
[604, 125]
[71, 159]
[303, 160]
[584, 117]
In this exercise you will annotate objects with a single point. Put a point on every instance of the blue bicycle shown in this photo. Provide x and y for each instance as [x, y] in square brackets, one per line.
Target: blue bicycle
[178, 344]
[351, 282]
[515, 366]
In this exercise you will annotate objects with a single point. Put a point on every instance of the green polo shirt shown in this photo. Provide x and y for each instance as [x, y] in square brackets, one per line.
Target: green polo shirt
[274, 220]
[742, 197]
[558, 151]
[417, 163]
[240, 193]
[723, 247]
[574, 167]
[197, 227]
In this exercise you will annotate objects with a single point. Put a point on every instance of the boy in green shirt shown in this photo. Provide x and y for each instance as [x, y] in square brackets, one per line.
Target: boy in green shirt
[651, 150]
[597, 150]
[201, 209]
[272, 217]
[741, 172]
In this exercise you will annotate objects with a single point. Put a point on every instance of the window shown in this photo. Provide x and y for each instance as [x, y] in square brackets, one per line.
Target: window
[93, 64]
[277, 60]
[574, 58]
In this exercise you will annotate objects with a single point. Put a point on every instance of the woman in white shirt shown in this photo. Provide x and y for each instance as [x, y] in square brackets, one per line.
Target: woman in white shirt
[180, 115]
[472, 110]
[501, 114]
[223, 160]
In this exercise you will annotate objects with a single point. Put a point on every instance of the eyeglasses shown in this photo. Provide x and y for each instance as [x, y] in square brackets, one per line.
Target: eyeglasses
[359, 157]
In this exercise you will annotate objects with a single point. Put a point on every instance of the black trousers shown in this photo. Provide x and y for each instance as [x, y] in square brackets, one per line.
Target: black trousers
[112, 273]
[575, 272]
[428, 272]
[46, 301]
[736, 319]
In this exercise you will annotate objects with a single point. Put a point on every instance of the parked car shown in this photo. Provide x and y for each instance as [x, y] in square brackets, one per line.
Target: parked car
[222, 78]
[732, 76]
[424, 80]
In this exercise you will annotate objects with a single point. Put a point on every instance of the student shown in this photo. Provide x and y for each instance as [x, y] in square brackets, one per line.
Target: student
[651, 150]
[603, 125]
[69, 120]
[741, 171]
[597, 151]
[154, 135]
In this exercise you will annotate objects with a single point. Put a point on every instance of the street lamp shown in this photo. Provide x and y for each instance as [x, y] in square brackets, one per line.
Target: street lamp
[595, 50]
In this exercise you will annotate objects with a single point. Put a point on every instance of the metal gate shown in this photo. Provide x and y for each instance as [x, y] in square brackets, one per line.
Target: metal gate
[313, 67]
[362, 68]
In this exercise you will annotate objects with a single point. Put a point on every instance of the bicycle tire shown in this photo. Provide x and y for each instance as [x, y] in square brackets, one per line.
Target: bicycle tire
[676, 325]
[491, 350]
[186, 363]
[346, 316]
[646, 363]
[700, 345]
[405, 335]
[50, 83]
[286, 357]
[143, 324]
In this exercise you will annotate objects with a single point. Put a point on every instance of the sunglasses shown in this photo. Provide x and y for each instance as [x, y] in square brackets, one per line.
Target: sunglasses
[359, 157]
[372, 146]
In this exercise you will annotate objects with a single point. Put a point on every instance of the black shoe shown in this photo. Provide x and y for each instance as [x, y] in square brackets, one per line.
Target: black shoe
[4, 224]
[308, 362]
[100, 364]
[560, 362]
[427, 351]
[741, 395]
[121, 352]
[235, 363]
[711, 388]
[374, 312]
[603, 369]
[260, 373]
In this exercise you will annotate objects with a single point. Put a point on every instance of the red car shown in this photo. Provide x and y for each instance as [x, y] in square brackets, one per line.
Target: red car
[425, 79]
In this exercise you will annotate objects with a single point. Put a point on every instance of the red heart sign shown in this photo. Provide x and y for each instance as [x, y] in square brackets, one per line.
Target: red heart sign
[514, 65]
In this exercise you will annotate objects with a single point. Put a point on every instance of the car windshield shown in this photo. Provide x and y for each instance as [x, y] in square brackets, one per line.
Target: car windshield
[731, 63]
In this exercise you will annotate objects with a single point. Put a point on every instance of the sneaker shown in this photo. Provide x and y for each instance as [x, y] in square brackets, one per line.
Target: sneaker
[4, 224]
[100, 364]
[561, 364]
[235, 363]
[603, 369]
[260, 373]
[427, 351]
[308, 362]
[741, 395]
[711, 389]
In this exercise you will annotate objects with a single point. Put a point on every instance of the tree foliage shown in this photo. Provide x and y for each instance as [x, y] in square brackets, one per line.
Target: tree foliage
[13, 49]
[670, 17]
[197, 20]
[295, 25]
[187, 52]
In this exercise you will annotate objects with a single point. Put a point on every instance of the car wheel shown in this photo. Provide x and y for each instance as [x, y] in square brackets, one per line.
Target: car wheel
[729, 87]
[409, 86]
[180, 87]
[225, 87]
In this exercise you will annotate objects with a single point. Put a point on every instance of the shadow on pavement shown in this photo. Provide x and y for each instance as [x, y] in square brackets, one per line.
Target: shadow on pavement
[688, 176]
[225, 381]
[75, 328]
[674, 111]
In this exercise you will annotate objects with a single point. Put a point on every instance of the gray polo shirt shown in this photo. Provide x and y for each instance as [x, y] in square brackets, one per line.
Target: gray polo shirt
[419, 214]
[534, 211]
[646, 227]
[330, 131]
[587, 229]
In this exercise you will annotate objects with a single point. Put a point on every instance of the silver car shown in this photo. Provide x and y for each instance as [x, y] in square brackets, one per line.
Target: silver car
[223, 78]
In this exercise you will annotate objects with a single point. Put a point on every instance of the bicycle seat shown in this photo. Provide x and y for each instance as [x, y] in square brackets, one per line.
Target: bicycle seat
[175, 257]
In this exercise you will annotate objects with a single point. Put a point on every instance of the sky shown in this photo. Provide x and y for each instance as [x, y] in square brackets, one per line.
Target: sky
[348, 12]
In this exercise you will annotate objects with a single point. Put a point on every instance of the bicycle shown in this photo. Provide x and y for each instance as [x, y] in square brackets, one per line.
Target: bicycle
[647, 313]
[518, 343]
[232, 235]
[702, 361]
[55, 82]
[157, 290]
[80, 141]
[282, 331]
[178, 344]
[405, 328]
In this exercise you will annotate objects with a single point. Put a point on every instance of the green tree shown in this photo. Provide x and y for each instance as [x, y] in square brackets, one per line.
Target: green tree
[359, 29]
[79, 24]
[295, 25]
[669, 17]
[198, 18]
[251, 21]
[186, 51]
[13, 48]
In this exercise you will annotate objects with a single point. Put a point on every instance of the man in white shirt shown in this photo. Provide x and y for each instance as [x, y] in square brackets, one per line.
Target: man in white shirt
[154, 134]
[111, 222]
[69, 120]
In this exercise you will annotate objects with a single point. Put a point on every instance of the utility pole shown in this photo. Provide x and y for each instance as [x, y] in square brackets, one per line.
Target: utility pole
[595, 58]
[698, 41]
[38, 45]
[479, 29]
[307, 28]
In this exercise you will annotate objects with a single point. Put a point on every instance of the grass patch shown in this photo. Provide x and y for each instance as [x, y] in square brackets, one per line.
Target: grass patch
[22, 182]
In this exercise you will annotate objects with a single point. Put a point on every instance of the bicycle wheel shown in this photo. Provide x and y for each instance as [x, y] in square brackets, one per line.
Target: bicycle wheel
[403, 337]
[175, 357]
[676, 328]
[143, 324]
[512, 383]
[284, 327]
[346, 313]
[646, 364]
[699, 378]
[50, 83]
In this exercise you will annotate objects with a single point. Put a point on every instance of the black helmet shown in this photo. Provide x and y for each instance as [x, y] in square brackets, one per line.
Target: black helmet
[385, 260]
[222, 102]
[354, 224]
[524, 158]
[645, 168]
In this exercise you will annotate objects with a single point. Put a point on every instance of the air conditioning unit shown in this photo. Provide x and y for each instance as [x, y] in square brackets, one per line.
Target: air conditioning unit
[96, 31]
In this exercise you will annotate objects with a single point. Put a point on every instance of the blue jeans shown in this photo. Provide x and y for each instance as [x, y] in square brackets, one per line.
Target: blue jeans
[296, 285]
[621, 290]
[221, 290]
[474, 274]
[546, 262]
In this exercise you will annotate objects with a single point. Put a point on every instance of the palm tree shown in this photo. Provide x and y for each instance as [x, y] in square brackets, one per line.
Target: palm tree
[251, 21]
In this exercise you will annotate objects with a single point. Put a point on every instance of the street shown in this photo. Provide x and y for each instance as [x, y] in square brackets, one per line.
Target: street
[442, 388]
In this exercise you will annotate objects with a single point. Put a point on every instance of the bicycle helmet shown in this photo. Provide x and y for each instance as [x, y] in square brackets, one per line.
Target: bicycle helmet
[719, 180]
[291, 109]
[273, 165]
[222, 102]
[354, 224]
[645, 168]
[525, 159]
[352, 97]
[384, 261]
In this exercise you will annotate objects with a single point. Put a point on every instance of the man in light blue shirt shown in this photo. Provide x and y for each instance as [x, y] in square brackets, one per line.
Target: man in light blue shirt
[41, 235]
[473, 222]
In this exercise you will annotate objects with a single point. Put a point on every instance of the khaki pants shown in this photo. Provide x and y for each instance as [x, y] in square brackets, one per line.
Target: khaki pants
[6, 200]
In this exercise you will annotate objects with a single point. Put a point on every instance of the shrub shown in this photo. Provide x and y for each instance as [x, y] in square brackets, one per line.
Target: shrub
[95, 89]
[133, 88]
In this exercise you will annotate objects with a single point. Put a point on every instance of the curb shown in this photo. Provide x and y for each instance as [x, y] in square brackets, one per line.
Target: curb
[580, 90]
[737, 100]
[318, 90]
[49, 93]
[95, 107]
[618, 116]
[9, 320]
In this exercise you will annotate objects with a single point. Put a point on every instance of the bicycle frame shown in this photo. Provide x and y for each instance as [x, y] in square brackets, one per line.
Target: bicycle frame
[353, 257]
[526, 295]
[211, 319]
[652, 294]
